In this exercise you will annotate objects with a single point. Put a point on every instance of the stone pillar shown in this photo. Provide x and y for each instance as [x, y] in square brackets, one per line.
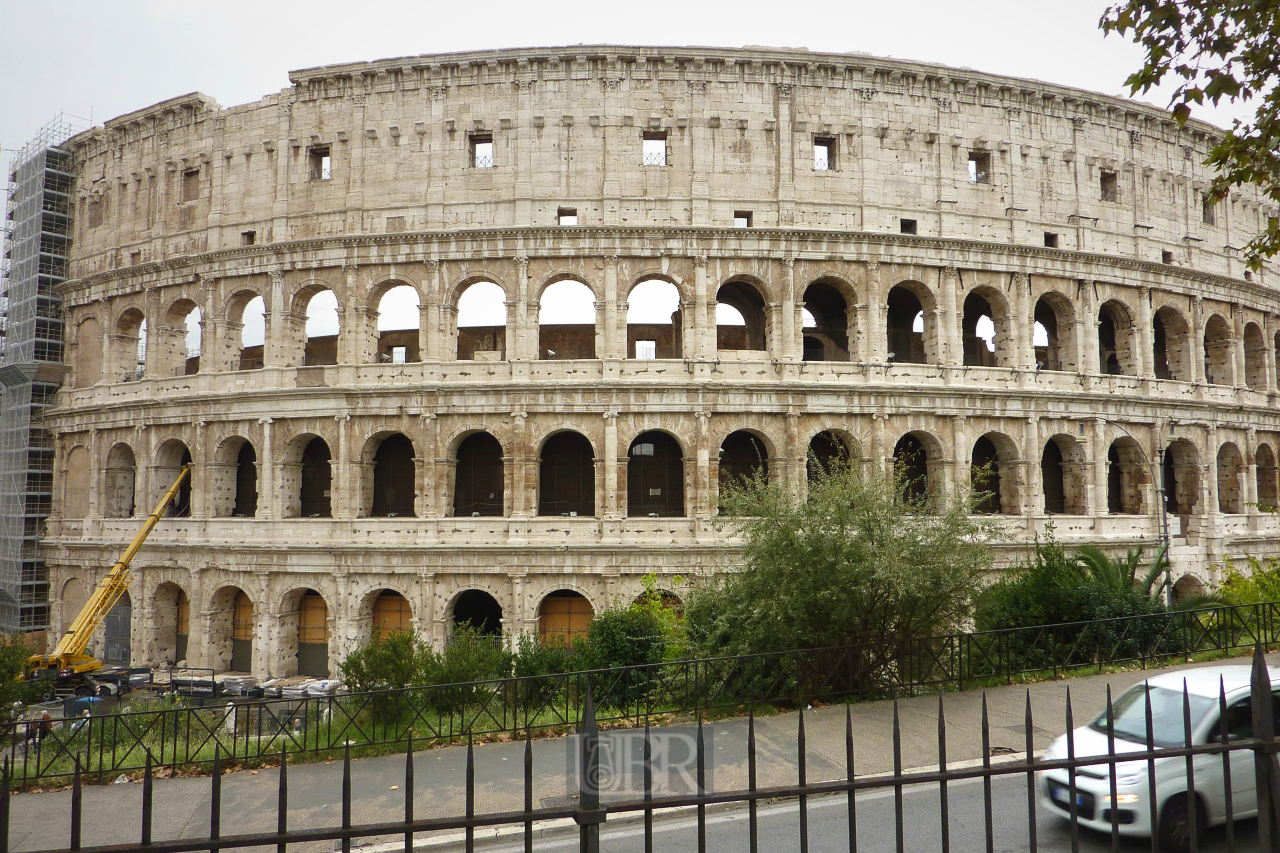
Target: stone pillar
[433, 478]
[962, 450]
[97, 466]
[278, 327]
[518, 331]
[1271, 325]
[1144, 335]
[947, 324]
[1237, 346]
[1098, 501]
[1251, 471]
[789, 345]
[343, 492]
[1211, 465]
[434, 338]
[1022, 329]
[795, 472]
[518, 494]
[704, 494]
[611, 501]
[877, 344]
[269, 499]
[611, 340]
[1087, 331]
[1197, 341]
[703, 344]
[1034, 501]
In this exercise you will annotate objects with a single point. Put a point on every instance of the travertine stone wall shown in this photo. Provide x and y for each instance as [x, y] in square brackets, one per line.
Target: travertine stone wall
[1162, 355]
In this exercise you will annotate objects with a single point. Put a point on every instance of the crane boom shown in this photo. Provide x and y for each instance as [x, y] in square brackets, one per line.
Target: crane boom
[69, 652]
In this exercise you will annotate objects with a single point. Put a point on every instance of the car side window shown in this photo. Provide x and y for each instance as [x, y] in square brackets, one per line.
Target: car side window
[1239, 721]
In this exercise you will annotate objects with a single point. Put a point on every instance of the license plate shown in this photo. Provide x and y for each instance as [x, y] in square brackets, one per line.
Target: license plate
[1061, 794]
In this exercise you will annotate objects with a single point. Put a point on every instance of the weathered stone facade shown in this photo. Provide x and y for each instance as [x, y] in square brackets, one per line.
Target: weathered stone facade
[865, 217]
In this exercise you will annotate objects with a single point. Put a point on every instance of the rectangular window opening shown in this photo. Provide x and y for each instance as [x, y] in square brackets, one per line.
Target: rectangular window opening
[135, 257]
[398, 355]
[321, 164]
[1166, 257]
[1208, 212]
[567, 216]
[1109, 184]
[482, 150]
[1248, 275]
[979, 167]
[248, 238]
[646, 349]
[907, 226]
[644, 448]
[742, 219]
[824, 153]
[655, 148]
[1050, 240]
[191, 185]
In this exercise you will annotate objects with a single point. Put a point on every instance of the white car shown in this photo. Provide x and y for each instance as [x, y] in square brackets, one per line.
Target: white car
[1175, 813]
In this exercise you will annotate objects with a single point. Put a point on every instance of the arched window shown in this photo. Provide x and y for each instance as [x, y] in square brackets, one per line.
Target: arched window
[234, 480]
[566, 482]
[391, 614]
[655, 476]
[88, 353]
[253, 334]
[129, 346]
[1062, 476]
[482, 323]
[742, 456]
[172, 456]
[1127, 474]
[827, 451]
[1255, 358]
[911, 470]
[75, 500]
[1218, 366]
[563, 616]
[172, 623]
[312, 651]
[1171, 339]
[905, 322]
[978, 332]
[316, 477]
[1181, 477]
[322, 329]
[741, 321]
[394, 478]
[398, 319]
[480, 610]
[120, 482]
[1268, 493]
[567, 321]
[1230, 467]
[478, 477]
[826, 325]
[192, 341]
[1054, 350]
[984, 477]
[1115, 340]
[118, 627]
[654, 328]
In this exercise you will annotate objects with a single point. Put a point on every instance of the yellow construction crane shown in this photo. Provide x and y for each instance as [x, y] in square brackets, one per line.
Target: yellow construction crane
[68, 659]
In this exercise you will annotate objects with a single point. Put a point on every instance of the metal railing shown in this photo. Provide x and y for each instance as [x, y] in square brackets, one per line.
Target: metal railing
[177, 735]
[1070, 787]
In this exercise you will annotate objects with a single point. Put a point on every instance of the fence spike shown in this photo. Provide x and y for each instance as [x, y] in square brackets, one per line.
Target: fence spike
[528, 789]
[944, 819]
[1151, 766]
[753, 806]
[471, 795]
[1111, 763]
[1191, 768]
[897, 788]
[1268, 786]
[1224, 736]
[146, 802]
[282, 797]
[346, 796]
[77, 805]
[215, 798]
[988, 825]
[1028, 726]
[648, 790]
[849, 777]
[1071, 778]
[802, 779]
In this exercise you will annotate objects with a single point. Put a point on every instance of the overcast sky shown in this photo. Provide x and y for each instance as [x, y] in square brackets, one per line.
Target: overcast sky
[103, 59]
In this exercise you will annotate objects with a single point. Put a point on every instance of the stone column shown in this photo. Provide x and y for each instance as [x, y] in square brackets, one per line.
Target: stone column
[1251, 471]
[877, 344]
[433, 337]
[790, 332]
[1197, 341]
[1099, 500]
[947, 328]
[278, 325]
[1087, 331]
[704, 491]
[1211, 465]
[1271, 325]
[343, 493]
[611, 502]
[97, 466]
[1022, 329]
[962, 450]
[1033, 503]
[1144, 335]
[433, 477]
[610, 344]
[522, 330]
[518, 494]
[269, 499]
[704, 306]
[1237, 345]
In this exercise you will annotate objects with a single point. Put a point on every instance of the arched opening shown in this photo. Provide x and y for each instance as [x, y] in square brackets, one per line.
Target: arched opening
[905, 323]
[1171, 351]
[129, 346]
[304, 632]
[391, 614]
[322, 329]
[911, 470]
[743, 456]
[315, 480]
[192, 341]
[1255, 358]
[482, 323]
[1126, 477]
[655, 476]
[1268, 493]
[173, 455]
[741, 319]
[827, 451]
[978, 332]
[177, 340]
[242, 625]
[1218, 368]
[1053, 351]
[121, 477]
[1186, 587]
[1115, 340]
[480, 610]
[399, 317]
[117, 651]
[231, 627]
[1230, 468]
[478, 477]
[253, 334]
[1181, 471]
[1062, 476]
[566, 477]
[992, 479]
[75, 497]
[567, 321]
[172, 624]
[563, 616]
[73, 599]
[654, 328]
[88, 353]
[394, 478]
[246, 500]
[826, 324]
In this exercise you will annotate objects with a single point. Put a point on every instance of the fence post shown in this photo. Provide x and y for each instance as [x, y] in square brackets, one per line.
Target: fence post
[589, 815]
[1264, 755]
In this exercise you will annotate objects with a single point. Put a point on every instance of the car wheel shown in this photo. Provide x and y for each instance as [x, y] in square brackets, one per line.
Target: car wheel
[1177, 818]
[84, 690]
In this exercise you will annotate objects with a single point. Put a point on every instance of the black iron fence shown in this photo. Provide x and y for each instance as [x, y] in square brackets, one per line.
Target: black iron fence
[1213, 750]
[168, 733]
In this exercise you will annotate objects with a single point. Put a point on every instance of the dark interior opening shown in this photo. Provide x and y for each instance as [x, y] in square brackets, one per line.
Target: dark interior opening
[905, 346]
[984, 477]
[316, 480]
[750, 304]
[1051, 475]
[246, 505]
[976, 353]
[828, 338]
[393, 478]
[480, 610]
[566, 482]
[911, 469]
[655, 476]
[477, 484]
[826, 451]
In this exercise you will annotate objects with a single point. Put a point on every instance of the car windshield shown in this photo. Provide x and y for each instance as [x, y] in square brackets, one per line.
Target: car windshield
[1166, 715]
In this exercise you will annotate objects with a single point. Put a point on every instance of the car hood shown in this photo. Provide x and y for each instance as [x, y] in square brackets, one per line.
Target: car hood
[1089, 743]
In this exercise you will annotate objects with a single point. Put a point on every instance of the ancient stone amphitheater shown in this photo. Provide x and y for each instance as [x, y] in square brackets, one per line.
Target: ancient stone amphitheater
[478, 336]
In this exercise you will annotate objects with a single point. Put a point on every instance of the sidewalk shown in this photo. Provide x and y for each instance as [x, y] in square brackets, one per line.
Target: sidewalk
[112, 812]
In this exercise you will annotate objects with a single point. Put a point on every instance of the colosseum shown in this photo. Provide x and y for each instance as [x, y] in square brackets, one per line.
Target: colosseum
[479, 335]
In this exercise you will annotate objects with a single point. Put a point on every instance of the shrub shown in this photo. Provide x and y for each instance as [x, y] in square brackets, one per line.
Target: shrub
[395, 660]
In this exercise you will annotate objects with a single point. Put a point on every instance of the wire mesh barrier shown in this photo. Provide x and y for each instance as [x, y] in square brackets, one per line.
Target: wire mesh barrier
[1179, 758]
[175, 735]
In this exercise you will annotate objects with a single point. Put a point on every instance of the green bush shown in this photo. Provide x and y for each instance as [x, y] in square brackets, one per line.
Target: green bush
[395, 660]
[541, 667]
[469, 656]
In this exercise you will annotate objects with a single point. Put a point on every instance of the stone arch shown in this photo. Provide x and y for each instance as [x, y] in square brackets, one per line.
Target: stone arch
[655, 476]
[563, 616]
[566, 475]
[744, 455]
[75, 497]
[1188, 586]
[171, 623]
[655, 326]
[118, 631]
[1181, 477]
[233, 479]
[568, 320]
[1268, 489]
[129, 345]
[1255, 358]
[830, 303]
[910, 333]
[1171, 345]
[389, 469]
[1062, 469]
[479, 476]
[232, 624]
[119, 498]
[984, 328]
[917, 466]
[304, 632]
[993, 475]
[1230, 468]
[179, 339]
[306, 477]
[318, 311]
[72, 599]
[1052, 337]
[246, 320]
[826, 450]
[479, 609]
[397, 305]
[388, 611]
[1116, 340]
[170, 457]
[88, 364]
[743, 323]
[1128, 473]
[477, 313]
[1219, 365]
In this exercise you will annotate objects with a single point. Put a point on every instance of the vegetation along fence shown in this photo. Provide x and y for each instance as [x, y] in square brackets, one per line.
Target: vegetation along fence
[171, 734]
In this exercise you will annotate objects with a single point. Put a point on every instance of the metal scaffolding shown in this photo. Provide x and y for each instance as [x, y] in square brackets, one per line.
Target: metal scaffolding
[37, 246]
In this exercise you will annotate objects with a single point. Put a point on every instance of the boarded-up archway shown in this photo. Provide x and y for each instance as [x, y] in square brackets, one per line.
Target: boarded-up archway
[563, 616]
